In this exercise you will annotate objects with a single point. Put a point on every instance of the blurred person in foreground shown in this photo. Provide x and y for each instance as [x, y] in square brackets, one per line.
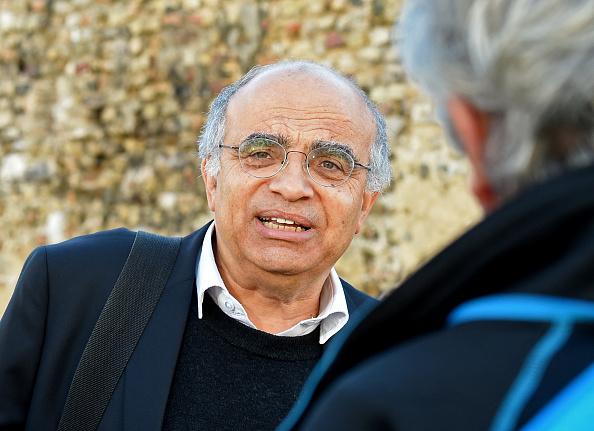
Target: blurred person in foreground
[496, 332]
[293, 157]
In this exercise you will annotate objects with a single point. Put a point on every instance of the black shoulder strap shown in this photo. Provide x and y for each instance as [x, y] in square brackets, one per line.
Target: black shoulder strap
[118, 329]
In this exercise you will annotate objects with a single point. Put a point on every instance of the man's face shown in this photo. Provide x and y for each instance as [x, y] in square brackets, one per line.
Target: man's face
[296, 108]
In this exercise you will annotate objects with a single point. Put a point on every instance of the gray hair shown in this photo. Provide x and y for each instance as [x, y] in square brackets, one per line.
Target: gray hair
[529, 63]
[213, 132]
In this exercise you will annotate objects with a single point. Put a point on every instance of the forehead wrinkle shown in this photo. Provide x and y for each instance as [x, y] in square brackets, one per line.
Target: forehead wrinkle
[309, 113]
[327, 110]
[341, 127]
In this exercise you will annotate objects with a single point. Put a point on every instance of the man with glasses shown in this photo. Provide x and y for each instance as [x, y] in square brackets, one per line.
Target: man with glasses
[293, 157]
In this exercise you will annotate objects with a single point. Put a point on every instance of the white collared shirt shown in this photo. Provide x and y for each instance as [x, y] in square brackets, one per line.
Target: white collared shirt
[334, 313]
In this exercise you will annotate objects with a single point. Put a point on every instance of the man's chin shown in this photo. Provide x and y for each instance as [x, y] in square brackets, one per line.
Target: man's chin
[287, 264]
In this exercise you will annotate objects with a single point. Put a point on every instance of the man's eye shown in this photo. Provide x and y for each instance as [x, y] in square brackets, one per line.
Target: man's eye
[260, 154]
[329, 165]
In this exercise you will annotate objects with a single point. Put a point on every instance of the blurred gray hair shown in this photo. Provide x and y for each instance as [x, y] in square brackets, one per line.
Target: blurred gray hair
[530, 63]
[213, 132]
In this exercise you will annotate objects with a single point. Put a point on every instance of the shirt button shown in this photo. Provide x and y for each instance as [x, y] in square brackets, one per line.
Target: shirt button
[229, 306]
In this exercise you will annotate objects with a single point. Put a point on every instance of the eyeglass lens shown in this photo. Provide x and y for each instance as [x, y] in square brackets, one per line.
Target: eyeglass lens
[327, 166]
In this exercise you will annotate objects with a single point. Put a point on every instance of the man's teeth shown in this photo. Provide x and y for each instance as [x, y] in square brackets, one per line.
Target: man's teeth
[282, 224]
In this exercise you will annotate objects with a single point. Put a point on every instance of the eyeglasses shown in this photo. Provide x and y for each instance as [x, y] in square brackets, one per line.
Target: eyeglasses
[328, 166]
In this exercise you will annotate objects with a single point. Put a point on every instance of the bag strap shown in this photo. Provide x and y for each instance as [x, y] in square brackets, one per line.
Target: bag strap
[118, 329]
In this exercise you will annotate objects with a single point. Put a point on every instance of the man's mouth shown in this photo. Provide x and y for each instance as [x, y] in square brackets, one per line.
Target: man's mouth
[282, 224]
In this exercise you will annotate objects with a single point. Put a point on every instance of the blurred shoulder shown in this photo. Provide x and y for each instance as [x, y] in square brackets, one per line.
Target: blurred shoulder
[110, 244]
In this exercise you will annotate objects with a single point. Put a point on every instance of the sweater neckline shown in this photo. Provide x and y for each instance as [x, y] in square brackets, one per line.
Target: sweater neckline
[303, 348]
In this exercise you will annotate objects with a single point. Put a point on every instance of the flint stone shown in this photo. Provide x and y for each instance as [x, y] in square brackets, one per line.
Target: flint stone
[13, 167]
[6, 118]
[8, 21]
[370, 54]
[334, 40]
[380, 36]
[40, 171]
[167, 200]
[55, 227]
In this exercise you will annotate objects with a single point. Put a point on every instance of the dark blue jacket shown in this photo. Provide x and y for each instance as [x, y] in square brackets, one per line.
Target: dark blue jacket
[58, 298]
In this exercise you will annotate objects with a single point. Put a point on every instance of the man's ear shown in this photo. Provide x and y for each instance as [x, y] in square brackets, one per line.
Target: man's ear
[210, 184]
[472, 127]
[368, 201]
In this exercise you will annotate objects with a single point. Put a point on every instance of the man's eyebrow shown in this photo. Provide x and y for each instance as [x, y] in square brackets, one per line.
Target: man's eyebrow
[334, 145]
[284, 140]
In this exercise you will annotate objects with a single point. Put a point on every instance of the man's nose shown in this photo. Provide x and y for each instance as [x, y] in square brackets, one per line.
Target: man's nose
[293, 181]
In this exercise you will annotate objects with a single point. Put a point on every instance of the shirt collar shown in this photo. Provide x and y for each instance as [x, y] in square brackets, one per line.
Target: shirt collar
[333, 314]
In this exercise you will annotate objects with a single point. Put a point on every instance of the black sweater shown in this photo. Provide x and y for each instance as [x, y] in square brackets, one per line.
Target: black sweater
[232, 377]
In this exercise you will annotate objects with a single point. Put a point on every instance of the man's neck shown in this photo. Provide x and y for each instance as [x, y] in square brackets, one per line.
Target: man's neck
[274, 302]
[269, 312]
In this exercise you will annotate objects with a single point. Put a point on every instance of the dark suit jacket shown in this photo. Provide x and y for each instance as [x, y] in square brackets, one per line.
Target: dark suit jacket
[58, 298]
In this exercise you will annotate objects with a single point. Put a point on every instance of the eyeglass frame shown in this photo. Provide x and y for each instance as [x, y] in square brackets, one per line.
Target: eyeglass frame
[285, 162]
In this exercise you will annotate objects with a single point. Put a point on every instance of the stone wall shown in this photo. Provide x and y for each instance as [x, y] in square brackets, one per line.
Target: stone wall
[101, 102]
